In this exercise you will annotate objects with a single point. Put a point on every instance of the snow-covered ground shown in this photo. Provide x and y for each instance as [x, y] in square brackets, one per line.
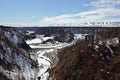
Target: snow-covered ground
[44, 61]
[43, 38]
[50, 48]
[34, 41]
[80, 36]
[39, 39]
[15, 62]
[58, 45]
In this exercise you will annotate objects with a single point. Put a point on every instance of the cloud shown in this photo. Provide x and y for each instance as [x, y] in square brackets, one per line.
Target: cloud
[101, 10]
[16, 24]
[101, 14]
[104, 3]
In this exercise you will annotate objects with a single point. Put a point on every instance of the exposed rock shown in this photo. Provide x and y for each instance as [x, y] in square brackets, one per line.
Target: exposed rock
[15, 60]
[64, 36]
[83, 62]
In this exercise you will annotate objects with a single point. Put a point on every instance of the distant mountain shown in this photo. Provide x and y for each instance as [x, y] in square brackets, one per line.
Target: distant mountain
[60, 33]
[91, 24]
[50, 30]
[30, 32]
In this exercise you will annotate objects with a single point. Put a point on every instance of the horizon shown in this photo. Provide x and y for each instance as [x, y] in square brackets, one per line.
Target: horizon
[57, 12]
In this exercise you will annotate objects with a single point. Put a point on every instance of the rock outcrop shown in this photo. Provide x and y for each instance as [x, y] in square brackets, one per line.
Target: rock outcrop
[15, 60]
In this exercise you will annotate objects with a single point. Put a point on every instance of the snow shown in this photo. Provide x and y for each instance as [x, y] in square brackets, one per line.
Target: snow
[38, 40]
[13, 37]
[50, 45]
[34, 41]
[10, 56]
[42, 52]
[111, 51]
[100, 42]
[44, 38]
[44, 63]
[90, 24]
[43, 66]
[45, 76]
[96, 47]
[113, 41]
[80, 36]
[17, 75]
[1, 56]
[49, 48]
[56, 45]
[30, 32]
[26, 72]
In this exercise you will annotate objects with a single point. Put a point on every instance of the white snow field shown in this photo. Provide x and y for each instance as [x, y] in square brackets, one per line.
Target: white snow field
[48, 48]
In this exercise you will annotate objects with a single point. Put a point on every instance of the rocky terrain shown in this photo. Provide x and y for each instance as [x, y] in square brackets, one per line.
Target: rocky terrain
[59, 53]
[15, 60]
[95, 58]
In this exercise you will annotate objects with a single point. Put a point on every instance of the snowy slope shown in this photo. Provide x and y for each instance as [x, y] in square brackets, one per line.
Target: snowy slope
[16, 63]
[34, 41]
[39, 39]
[47, 53]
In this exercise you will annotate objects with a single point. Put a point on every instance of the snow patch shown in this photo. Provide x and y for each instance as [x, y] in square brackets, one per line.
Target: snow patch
[34, 41]
[80, 36]
[13, 37]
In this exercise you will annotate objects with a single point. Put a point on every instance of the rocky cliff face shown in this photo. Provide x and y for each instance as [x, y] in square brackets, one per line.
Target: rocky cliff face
[90, 60]
[15, 61]
[86, 63]
[64, 36]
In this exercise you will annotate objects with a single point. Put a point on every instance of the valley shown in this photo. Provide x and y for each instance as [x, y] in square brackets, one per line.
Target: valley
[63, 53]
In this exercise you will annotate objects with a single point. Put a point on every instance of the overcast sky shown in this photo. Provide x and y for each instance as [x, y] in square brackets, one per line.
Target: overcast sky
[49, 12]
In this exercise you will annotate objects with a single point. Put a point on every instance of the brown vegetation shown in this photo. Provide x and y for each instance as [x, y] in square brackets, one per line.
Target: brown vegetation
[2, 77]
[83, 62]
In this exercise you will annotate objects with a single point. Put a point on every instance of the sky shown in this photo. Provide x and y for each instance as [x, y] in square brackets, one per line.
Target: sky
[51, 12]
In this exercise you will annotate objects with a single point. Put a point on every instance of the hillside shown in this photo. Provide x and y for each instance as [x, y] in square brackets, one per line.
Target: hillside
[64, 54]
[90, 59]
[15, 60]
